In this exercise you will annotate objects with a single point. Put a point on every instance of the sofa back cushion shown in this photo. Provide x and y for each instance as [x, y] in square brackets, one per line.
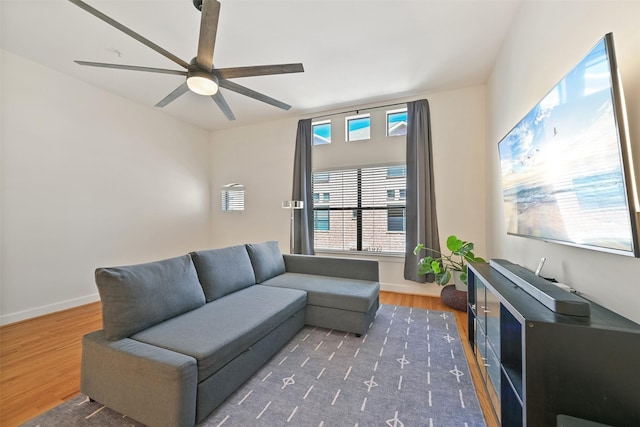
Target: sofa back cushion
[136, 297]
[266, 259]
[223, 271]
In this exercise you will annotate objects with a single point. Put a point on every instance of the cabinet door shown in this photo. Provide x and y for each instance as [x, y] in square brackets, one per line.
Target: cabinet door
[493, 378]
[480, 350]
[492, 319]
[481, 303]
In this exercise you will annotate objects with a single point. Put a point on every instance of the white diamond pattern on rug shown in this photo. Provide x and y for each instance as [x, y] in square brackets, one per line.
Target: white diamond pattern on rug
[370, 384]
[457, 372]
[403, 361]
[288, 381]
[395, 422]
[408, 370]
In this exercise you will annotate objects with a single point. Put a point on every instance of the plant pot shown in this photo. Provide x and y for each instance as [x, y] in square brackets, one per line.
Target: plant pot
[451, 297]
[460, 285]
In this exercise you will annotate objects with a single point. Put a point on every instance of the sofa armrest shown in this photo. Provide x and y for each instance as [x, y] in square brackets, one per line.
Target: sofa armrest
[347, 268]
[147, 383]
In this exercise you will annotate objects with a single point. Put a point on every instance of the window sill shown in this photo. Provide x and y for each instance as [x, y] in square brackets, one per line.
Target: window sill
[391, 256]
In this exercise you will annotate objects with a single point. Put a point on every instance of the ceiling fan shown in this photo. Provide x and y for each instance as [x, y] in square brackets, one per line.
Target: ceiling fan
[201, 77]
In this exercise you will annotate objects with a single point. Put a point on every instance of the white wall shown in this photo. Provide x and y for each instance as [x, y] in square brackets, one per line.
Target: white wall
[261, 157]
[89, 180]
[546, 40]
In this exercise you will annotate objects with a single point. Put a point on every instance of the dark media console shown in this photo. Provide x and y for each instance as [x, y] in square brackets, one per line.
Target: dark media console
[538, 364]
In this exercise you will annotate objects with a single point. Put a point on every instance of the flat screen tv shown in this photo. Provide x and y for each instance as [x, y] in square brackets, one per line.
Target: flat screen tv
[567, 175]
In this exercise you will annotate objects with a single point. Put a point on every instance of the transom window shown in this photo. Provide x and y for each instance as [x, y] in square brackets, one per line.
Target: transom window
[321, 132]
[397, 122]
[358, 127]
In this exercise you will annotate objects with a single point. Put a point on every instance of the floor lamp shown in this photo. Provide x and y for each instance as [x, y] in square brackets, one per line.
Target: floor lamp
[292, 205]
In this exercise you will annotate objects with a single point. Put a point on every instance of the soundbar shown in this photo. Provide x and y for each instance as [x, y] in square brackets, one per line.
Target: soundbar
[551, 296]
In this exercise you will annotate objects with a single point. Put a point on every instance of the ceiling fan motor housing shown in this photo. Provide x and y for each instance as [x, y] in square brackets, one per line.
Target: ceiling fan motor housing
[198, 4]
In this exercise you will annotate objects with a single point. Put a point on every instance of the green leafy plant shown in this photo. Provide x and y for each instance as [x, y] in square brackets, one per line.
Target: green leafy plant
[461, 252]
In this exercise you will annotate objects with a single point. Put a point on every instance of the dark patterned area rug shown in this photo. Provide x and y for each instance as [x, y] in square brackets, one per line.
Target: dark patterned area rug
[409, 370]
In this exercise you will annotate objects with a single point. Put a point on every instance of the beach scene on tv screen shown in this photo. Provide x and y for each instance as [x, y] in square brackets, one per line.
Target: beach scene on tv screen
[561, 165]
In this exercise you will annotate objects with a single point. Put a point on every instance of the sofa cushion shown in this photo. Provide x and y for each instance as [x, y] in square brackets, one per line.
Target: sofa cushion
[136, 297]
[266, 259]
[218, 332]
[333, 292]
[222, 271]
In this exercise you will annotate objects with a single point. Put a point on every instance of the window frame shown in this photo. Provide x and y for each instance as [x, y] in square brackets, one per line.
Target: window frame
[391, 113]
[349, 119]
[313, 132]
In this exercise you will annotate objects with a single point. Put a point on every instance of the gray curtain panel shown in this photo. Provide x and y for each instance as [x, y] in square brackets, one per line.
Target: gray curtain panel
[422, 221]
[303, 219]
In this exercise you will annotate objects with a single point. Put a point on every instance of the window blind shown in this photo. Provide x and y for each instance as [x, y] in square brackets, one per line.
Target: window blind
[360, 209]
[232, 198]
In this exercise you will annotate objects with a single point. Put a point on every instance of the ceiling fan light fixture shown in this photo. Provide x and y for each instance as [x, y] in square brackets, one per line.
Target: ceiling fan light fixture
[202, 83]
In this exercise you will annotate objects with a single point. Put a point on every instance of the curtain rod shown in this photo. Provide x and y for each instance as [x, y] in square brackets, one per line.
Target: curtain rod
[357, 111]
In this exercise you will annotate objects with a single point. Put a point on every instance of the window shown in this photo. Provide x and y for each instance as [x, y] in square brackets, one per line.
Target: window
[320, 177]
[399, 194]
[232, 197]
[321, 220]
[397, 172]
[397, 122]
[321, 132]
[397, 219]
[366, 210]
[321, 197]
[358, 127]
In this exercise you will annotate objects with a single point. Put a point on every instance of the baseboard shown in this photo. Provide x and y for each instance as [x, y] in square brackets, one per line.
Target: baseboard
[417, 289]
[18, 316]
[5, 319]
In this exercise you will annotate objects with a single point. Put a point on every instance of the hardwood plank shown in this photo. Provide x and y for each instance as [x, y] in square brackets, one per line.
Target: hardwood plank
[40, 358]
[40, 361]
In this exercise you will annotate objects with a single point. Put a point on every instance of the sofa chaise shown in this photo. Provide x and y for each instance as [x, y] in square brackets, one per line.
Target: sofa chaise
[181, 335]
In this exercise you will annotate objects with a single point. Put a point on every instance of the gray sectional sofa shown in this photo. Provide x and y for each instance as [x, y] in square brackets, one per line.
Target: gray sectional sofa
[181, 335]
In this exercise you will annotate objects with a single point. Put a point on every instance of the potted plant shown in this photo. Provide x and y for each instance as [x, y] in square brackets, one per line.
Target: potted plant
[444, 266]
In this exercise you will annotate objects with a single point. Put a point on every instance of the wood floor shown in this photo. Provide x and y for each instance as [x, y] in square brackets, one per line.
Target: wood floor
[40, 358]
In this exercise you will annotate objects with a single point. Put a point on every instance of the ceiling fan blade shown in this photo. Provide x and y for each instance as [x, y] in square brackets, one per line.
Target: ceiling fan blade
[130, 32]
[208, 29]
[131, 67]
[180, 90]
[222, 104]
[227, 84]
[258, 70]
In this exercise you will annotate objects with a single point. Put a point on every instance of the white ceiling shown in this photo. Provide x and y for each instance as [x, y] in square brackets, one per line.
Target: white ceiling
[354, 52]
